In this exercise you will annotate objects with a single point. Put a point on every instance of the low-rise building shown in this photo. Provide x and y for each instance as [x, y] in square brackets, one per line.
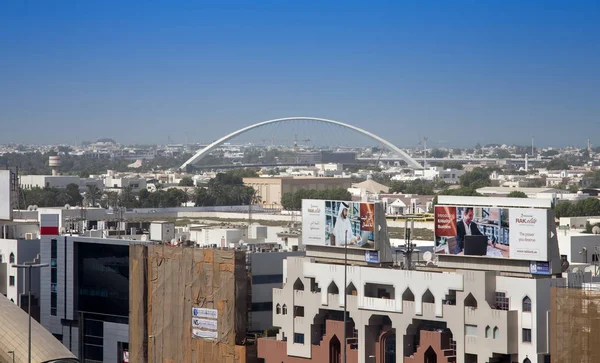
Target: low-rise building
[271, 189]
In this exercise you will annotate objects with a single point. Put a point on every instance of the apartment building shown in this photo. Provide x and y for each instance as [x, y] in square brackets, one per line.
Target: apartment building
[454, 308]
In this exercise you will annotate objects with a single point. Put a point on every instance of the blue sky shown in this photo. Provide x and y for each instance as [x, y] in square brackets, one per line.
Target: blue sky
[459, 72]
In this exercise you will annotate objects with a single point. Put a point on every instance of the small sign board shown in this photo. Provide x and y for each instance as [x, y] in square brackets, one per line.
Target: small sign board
[204, 323]
[539, 268]
[372, 256]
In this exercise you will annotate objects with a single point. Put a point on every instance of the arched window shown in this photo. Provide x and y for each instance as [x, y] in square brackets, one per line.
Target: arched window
[407, 295]
[284, 309]
[496, 333]
[298, 285]
[333, 289]
[351, 290]
[428, 297]
[11, 258]
[487, 331]
[278, 309]
[470, 301]
[526, 304]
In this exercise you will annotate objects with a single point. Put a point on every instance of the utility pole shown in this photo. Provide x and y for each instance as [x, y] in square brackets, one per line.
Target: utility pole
[29, 266]
[532, 146]
[408, 247]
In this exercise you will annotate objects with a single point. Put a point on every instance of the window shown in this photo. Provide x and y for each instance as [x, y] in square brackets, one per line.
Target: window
[487, 331]
[502, 302]
[284, 309]
[526, 304]
[526, 335]
[278, 309]
[298, 311]
[11, 258]
[471, 330]
[428, 297]
[53, 276]
[298, 338]
[408, 295]
[298, 285]
[11, 281]
[333, 289]
[470, 301]
[262, 306]
[267, 279]
[496, 333]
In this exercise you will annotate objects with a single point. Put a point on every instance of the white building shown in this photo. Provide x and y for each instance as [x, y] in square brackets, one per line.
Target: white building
[13, 282]
[461, 309]
[47, 181]
[433, 173]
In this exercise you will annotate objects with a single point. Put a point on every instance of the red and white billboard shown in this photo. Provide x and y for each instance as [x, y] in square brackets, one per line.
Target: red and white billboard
[516, 233]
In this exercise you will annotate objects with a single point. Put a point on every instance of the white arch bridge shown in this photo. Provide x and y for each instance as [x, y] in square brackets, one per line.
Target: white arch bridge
[204, 152]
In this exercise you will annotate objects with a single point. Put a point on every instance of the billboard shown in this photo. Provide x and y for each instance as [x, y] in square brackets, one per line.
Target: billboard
[516, 233]
[338, 223]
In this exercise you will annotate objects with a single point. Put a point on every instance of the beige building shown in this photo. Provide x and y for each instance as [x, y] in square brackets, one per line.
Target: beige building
[271, 189]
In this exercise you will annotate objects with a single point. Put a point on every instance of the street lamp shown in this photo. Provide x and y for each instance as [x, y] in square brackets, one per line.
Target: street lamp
[29, 266]
[13, 355]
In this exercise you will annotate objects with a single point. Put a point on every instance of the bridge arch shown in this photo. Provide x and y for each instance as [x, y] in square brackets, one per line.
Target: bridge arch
[202, 153]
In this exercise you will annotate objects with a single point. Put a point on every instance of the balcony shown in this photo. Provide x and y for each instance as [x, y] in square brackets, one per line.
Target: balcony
[373, 303]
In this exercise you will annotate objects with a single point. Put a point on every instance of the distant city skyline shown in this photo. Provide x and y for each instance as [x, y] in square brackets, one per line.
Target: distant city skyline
[146, 72]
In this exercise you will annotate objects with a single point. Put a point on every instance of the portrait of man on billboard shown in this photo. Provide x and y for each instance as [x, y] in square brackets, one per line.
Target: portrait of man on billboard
[465, 227]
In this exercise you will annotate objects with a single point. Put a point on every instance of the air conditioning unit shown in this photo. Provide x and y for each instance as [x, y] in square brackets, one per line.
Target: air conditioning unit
[28, 235]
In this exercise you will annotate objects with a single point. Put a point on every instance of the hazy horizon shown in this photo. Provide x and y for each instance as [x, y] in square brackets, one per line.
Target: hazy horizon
[148, 72]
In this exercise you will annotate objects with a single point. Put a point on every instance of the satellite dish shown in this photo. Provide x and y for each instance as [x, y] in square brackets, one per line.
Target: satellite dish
[577, 270]
[30, 208]
[427, 256]
[67, 206]
[564, 265]
[144, 237]
[596, 230]
[35, 207]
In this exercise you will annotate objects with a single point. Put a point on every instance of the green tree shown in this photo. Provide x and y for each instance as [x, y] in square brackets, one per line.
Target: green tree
[439, 154]
[517, 194]
[72, 191]
[557, 164]
[501, 154]
[186, 181]
[477, 178]
[93, 194]
[110, 199]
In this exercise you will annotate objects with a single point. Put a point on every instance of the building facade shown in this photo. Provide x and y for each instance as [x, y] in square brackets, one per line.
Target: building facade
[85, 297]
[266, 273]
[272, 189]
[408, 316]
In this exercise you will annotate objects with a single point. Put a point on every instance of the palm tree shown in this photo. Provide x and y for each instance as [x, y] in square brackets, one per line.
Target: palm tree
[93, 194]
[110, 199]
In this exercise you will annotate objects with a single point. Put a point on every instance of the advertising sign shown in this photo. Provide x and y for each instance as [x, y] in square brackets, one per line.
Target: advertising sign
[205, 313]
[204, 323]
[338, 223]
[372, 256]
[539, 268]
[517, 233]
